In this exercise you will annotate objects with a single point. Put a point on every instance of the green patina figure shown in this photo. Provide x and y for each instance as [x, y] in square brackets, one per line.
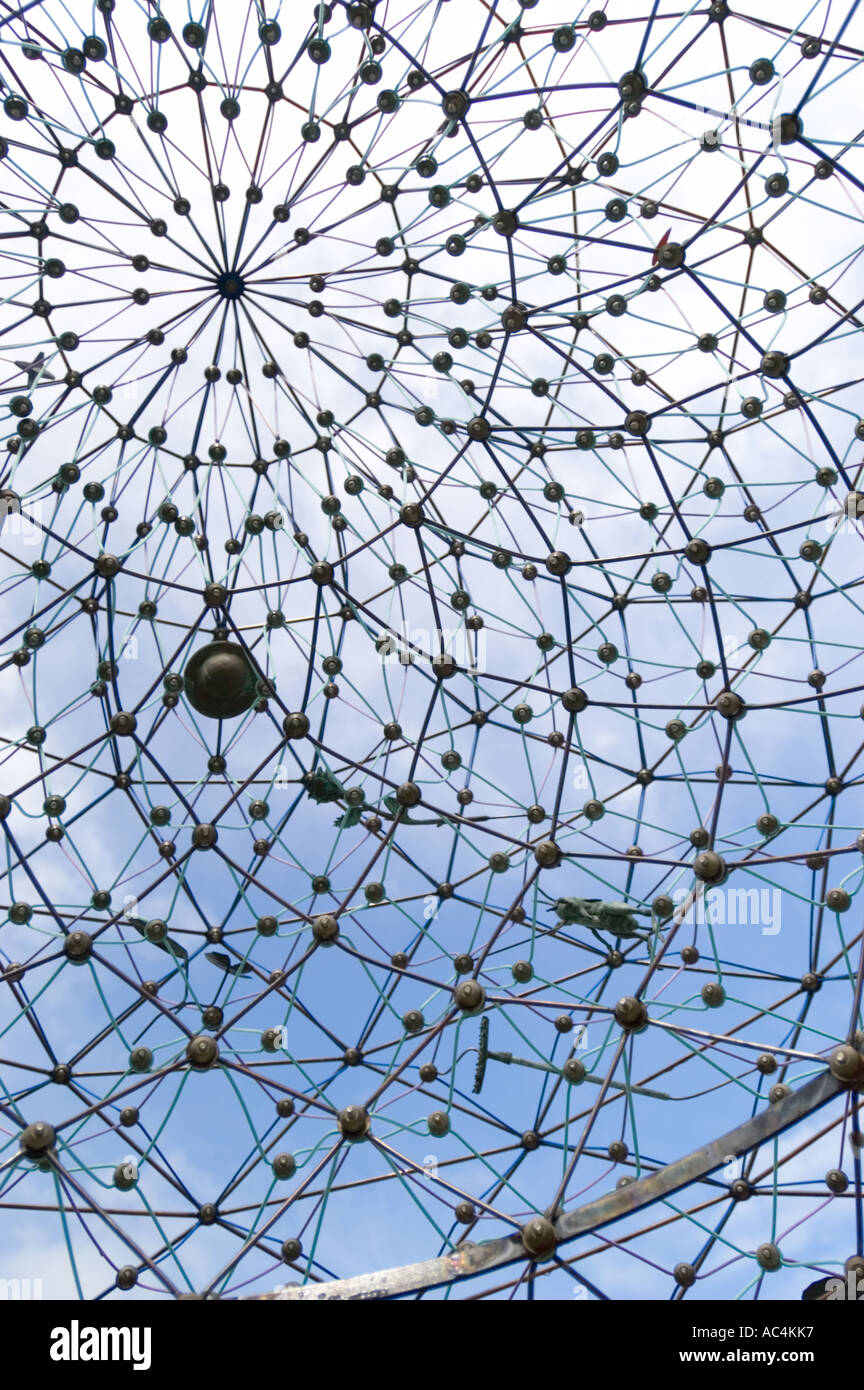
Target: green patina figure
[322, 786]
[617, 919]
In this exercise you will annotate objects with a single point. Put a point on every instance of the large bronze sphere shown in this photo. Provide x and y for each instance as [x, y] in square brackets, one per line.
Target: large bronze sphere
[220, 681]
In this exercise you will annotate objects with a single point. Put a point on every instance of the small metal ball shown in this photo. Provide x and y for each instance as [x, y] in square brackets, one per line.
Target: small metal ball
[469, 996]
[296, 726]
[353, 1122]
[768, 1256]
[558, 562]
[631, 1013]
[78, 947]
[37, 1138]
[412, 515]
[538, 1237]
[845, 1063]
[408, 794]
[547, 854]
[836, 1180]
[202, 1052]
[838, 900]
[325, 929]
[123, 724]
[713, 995]
[574, 700]
[709, 867]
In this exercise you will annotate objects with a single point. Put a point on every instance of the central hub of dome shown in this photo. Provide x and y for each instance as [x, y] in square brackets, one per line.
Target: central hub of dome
[231, 285]
[220, 682]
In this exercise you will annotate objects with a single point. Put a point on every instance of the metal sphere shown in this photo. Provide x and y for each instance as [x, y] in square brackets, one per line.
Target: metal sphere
[325, 929]
[631, 1013]
[469, 996]
[353, 1123]
[768, 1256]
[202, 1052]
[37, 1138]
[836, 1180]
[538, 1237]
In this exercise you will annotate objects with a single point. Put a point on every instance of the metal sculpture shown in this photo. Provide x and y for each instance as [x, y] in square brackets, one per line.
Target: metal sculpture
[431, 487]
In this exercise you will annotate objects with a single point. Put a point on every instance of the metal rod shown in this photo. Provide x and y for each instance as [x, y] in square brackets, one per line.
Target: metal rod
[510, 1061]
